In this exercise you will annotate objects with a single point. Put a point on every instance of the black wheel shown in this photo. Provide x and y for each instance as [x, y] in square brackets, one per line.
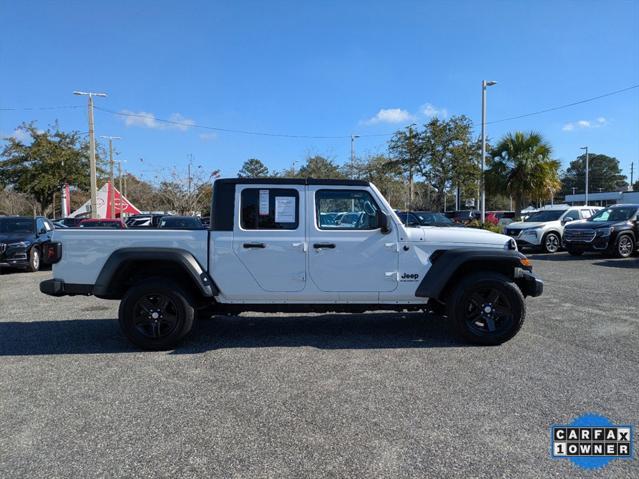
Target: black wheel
[156, 314]
[575, 252]
[34, 260]
[551, 243]
[487, 308]
[624, 247]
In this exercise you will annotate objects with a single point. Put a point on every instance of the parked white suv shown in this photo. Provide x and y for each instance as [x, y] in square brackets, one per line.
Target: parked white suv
[545, 228]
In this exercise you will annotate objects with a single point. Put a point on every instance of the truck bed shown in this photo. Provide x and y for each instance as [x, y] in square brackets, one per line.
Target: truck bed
[86, 250]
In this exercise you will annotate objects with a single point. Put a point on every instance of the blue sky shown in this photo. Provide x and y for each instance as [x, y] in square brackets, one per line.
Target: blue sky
[326, 68]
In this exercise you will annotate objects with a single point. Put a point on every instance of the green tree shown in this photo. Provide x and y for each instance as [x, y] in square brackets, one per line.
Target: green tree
[521, 165]
[320, 167]
[635, 186]
[604, 173]
[449, 157]
[253, 168]
[386, 176]
[406, 155]
[40, 165]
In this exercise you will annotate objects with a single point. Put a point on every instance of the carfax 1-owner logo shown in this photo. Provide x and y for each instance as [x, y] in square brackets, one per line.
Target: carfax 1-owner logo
[592, 441]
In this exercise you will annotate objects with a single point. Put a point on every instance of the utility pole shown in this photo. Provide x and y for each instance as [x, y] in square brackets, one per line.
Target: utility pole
[111, 179]
[587, 168]
[353, 148]
[632, 174]
[484, 84]
[94, 193]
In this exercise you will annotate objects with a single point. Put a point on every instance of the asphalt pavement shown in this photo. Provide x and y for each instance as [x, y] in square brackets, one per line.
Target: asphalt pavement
[369, 395]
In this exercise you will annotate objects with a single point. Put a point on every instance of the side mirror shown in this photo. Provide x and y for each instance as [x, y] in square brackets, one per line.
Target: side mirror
[384, 222]
[567, 220]
[43, 231]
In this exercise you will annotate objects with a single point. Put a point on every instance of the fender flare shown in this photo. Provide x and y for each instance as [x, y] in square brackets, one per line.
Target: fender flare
[103, 287]
[446, 263]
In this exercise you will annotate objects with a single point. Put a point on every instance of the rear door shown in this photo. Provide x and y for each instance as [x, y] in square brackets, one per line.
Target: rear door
[269, 238]
[350, 256]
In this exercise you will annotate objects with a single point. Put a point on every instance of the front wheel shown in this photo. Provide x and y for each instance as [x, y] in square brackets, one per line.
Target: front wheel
[156, 314]
[34, 260]
[551, 243]
[624, 246]
[487, 308]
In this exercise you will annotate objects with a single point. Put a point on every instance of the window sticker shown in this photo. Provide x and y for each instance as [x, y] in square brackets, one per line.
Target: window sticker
[284, 209]
[264, 203]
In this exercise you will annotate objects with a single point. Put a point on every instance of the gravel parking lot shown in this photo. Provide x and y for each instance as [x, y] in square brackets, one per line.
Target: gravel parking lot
[375, 395]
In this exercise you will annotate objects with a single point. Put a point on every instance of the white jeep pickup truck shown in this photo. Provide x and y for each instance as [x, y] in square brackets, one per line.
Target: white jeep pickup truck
[275, 245]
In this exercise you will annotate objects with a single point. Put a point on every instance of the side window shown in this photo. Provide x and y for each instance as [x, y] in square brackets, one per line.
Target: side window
[39, 225]
[269, 209]
[354, 209]
[572, 215]
[413, 220]
[585, 214]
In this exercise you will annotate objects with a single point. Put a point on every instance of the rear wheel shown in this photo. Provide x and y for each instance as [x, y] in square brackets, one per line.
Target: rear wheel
[34, 260]
[624, 246]
[156, 314]
[551, 243]
[487, 308]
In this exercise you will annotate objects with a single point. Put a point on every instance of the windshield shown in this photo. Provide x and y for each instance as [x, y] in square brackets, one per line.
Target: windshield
[16, 225]
[622, 213]
[426, 219]
[542, 216]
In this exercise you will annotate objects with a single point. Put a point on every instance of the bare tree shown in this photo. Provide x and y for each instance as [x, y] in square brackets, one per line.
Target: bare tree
[186, 194]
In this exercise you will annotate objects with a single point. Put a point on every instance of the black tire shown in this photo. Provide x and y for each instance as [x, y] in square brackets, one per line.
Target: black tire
[624, 246]
[34, 260]
[551, 243]
[575, 252]
[156, 314]
[475, 324]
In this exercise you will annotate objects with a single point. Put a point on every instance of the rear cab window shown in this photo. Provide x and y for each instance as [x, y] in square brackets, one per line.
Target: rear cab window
[269, 209]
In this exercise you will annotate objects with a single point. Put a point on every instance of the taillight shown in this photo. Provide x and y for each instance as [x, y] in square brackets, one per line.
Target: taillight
[52, 252]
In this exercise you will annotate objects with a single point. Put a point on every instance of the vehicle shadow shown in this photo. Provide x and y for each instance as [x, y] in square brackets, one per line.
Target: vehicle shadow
[629, 263]
[327, 331]
[560, 256]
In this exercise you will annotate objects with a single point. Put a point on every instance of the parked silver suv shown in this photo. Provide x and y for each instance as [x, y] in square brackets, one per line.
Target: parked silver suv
[545, 228]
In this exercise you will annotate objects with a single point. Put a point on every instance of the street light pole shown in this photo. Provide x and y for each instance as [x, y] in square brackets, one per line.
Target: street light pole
[120, 187]
[111, 179]
[484, 84]
[94, 210]
[587, 168]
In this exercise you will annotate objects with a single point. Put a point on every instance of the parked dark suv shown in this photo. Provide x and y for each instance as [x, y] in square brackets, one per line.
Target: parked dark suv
[21, 240]
[613, 230]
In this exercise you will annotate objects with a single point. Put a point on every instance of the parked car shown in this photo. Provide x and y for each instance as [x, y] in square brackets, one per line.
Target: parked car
[21, 241]
[500, 217]
[59, 225]
[144, 220]
[181, 223]
[462, 216]
[424, 218]
[265, 251]
[70, 222]
[545, 228]
[613, 230]
[103, 223]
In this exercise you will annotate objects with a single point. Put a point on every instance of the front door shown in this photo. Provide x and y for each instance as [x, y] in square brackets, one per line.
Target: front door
[269, 238]
[347, 250]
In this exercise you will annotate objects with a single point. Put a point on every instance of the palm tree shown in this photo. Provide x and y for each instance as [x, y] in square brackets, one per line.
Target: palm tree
[521, 165]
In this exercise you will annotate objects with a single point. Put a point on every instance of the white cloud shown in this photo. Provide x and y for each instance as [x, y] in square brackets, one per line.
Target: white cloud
[208, 136]
[148, 120]
[585, 124]
[390, 115]
[430, 111]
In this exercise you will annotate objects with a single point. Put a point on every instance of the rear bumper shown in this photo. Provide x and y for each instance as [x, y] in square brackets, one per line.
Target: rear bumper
[57, 287]
[529, 284]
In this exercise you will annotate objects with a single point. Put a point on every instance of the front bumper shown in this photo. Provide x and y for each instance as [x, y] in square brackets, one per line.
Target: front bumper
[14, 258]
[57, 287]
[529, 284]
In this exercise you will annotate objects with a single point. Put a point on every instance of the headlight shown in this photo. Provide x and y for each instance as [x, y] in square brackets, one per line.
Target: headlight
[530, 232]
[605, 231]
[19, 244]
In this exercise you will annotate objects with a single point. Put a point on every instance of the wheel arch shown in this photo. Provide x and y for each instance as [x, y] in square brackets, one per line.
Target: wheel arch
[128, 266]
[448, 267]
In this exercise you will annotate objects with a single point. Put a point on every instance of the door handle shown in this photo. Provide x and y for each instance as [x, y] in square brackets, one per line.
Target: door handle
[254, 245]
[324, 245]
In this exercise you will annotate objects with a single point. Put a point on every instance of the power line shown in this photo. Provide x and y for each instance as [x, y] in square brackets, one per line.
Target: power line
[563, 106]
[61, 107]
